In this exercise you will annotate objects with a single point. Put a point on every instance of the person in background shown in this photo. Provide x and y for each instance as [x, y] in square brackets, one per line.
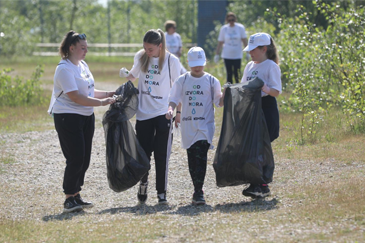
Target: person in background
[173, 41]
[156, 70]
[73, 99]
[264, 65]
[197, 91]
[231, 37]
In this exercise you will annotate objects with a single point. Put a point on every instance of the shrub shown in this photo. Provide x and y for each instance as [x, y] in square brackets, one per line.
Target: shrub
[323, 68]
[15, 91]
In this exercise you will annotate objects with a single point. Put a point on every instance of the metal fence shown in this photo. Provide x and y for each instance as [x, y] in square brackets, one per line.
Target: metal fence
[98, 49]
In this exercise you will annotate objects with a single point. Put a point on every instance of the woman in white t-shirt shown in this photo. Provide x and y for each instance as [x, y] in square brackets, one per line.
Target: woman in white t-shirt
[197, 91]
[264, 65]
[156, 70]
[231, 36]
[72, 103]
[173, 41]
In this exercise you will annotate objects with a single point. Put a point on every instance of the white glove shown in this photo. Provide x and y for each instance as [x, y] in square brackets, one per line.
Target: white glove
[216, 58]
[169, 114]
[123, 72]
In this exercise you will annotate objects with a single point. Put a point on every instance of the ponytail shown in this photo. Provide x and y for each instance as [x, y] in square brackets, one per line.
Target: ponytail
[155, 37]
[162, 51]
[272, 52]
[71, 38]
[64, 48]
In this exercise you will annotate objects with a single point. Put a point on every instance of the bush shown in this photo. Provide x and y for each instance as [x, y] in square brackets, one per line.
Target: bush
[324, 68]
[15, 91]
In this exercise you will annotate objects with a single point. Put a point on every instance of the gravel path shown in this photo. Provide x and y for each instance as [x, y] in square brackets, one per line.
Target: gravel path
[38, 171]
[32, 190]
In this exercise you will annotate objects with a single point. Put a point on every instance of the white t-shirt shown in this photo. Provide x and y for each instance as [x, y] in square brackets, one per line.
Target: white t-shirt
[154, 86]
[267, 70]
[173, 42]
[70, 77]
[232, 38]
[197, 96]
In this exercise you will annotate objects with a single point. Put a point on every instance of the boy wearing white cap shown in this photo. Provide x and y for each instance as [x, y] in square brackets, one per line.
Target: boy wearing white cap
[264, 65]
[197, 91]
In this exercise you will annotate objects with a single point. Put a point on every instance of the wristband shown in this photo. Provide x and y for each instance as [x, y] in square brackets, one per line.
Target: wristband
[177, 112]
[101, 103]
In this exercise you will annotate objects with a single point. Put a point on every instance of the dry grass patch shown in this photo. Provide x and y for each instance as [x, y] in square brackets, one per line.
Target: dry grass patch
[25, 118]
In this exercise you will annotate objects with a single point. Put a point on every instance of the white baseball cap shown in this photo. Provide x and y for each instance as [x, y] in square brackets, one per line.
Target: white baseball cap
[196, 57]
[258, 39]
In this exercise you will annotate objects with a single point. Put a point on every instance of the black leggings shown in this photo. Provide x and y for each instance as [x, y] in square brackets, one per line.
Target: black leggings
[197, 160]
[75, 133]
[155, 136]
[233, 66]
[271, 112]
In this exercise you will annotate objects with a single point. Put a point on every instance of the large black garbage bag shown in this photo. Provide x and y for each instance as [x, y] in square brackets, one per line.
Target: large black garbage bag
[126, 160]
[244, 153]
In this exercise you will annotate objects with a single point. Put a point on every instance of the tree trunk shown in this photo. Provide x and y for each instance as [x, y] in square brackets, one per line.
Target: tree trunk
[73, 13]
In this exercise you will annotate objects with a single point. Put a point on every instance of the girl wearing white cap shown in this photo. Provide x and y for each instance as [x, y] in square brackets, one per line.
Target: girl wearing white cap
[156, 70]
[264, 65]
[197, 91]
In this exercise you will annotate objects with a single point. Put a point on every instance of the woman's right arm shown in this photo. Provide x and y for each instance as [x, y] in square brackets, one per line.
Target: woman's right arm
[80, 99]
[219, 47]
[220, 41]
[130, 77]
[135, 68]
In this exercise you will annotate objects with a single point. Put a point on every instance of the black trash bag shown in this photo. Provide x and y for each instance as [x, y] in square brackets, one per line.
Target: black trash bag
[126, 160]
[244, 153]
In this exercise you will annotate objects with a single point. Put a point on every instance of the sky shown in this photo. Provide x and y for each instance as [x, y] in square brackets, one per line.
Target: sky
[103, 2]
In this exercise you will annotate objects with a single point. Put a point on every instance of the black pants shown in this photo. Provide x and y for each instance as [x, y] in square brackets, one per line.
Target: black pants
[75, 133]
[197, 160]
[233, 67]
[155, 136]
[271, 112]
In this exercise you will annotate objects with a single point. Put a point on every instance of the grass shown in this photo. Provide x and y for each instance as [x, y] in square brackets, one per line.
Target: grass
[6, 159]
[327, 202]
[25, 118]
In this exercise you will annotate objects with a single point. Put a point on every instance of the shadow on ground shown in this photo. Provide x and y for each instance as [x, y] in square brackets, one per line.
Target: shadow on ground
[186, 210]
[63, 216]
[138, 209]
[245, 206]
[248, 206]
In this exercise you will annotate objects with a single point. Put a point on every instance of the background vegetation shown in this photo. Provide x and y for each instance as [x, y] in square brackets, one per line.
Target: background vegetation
[320, 150]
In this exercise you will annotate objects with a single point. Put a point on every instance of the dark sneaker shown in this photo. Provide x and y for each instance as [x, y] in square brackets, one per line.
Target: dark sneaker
[198, 198]
[265, 191]
[162, 199]
[142, 193]
[253, 191]
[71, 206]
[83, 203]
